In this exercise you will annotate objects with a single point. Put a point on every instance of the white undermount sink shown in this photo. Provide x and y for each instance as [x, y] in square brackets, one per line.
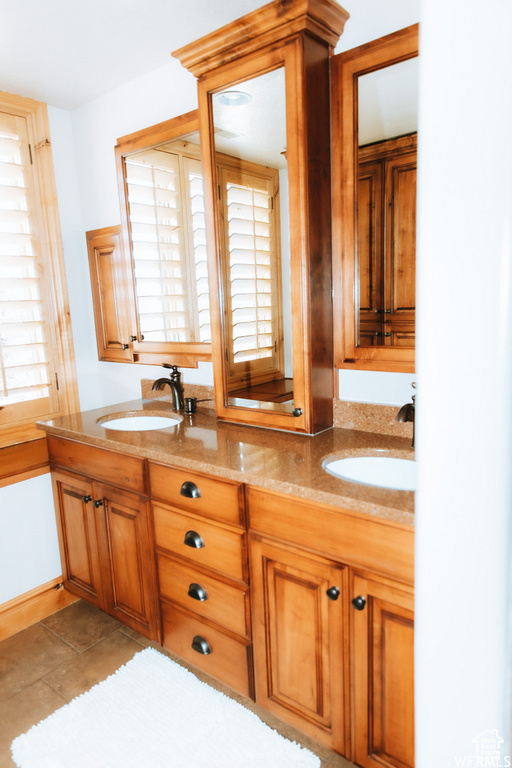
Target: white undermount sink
[135, 423]
[381, 471]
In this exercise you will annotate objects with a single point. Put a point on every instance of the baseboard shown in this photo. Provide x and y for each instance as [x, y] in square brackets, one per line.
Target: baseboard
[27, 609]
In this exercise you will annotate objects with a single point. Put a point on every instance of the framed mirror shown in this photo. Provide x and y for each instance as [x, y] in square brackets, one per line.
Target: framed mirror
[375, 89]
[162, 204]
[268, 211]
[249, 125]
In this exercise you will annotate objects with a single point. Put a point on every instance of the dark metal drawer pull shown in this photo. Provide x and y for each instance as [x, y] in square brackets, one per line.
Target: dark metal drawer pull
[98, 503]
[197, 592]
[190, 490]
[201, 645]
[359, 602]
[86, 499]
[193, 539]
[333, 593]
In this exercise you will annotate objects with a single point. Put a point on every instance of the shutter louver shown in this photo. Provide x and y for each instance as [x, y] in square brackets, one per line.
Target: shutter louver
[24, 352]
[167, 225]
[252, 259]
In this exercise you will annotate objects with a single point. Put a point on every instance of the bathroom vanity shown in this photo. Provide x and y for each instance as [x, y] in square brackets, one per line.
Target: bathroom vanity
[232, 547]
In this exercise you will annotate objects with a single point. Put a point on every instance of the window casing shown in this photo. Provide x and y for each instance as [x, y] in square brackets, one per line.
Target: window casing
[37, 377]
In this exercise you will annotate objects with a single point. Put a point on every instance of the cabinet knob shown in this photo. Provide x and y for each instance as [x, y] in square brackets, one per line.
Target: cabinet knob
[193, 539]
[197, 592]
[98, 503]
[190, 490]
[359, 602]
[297, 412]
[86, 499]
[125, 346]
[133, 338]
[201, 645]
[333, 593]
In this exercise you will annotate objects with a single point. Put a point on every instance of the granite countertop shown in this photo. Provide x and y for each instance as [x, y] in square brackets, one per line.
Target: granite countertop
[279, 461]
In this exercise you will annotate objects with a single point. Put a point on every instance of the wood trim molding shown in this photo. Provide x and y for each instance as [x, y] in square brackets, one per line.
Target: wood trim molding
[33, 606]
[265, 26]
[24, 460]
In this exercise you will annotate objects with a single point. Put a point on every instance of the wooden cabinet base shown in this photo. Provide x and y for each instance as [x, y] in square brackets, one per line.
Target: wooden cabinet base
[299, 620]
[382, 675]
[206, 647]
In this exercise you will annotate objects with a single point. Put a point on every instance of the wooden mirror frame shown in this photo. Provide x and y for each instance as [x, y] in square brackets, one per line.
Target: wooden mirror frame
[183, 354]
[346, 69]
[301, 37]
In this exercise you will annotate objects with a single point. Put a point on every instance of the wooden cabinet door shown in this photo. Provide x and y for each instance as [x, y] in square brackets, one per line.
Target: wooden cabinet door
[382, 674]
[370, 243]
[110, 289]
[400, 262]
[298, 634]
[127, 559]
[78, 538]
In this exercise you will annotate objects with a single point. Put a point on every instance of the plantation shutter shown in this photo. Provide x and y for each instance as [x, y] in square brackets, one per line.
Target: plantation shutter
[26, 367]
[253, 285]
[194, 194]
[167, 222]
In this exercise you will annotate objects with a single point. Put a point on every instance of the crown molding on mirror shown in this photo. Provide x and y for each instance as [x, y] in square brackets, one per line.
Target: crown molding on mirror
[346, 68]
[273, 23]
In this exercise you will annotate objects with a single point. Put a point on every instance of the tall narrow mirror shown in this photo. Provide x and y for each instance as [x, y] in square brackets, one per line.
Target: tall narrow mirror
[250, 155]
[375, 96]
[386, 205]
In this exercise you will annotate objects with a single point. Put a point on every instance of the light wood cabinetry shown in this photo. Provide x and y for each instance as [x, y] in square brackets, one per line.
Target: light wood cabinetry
[299, 609]
[333, 644]
[202, 566]
[113, 310]
[324, 636]
[382, 649]
[104, 532]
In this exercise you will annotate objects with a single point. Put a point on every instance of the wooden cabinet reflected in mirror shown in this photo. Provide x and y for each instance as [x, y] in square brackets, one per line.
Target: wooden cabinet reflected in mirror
[374, 95]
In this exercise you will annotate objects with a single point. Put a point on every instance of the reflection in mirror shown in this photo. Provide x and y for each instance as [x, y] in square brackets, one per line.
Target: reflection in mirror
[386, 207]
[164, 187]
[250, 146]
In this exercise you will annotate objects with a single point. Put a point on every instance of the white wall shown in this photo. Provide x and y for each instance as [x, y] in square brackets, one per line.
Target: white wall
[464, 322]
[29, 548]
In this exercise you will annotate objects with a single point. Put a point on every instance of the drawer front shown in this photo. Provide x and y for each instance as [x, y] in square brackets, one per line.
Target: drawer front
[228, 660]
[111, 467]
[357, 540]
[210, 598]
[202, 495]
[224, 550]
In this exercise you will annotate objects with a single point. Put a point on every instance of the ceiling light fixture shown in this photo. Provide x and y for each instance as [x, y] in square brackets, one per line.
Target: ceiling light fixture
[233, 98]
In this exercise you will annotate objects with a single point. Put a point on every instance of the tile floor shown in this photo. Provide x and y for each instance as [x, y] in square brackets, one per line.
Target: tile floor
[48, 664]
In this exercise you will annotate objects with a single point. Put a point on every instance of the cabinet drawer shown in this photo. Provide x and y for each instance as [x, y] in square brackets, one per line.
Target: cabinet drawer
[111, 467]
[358, 540]
[223, 550]
[218, 499]
[211, 598]
[228, 660]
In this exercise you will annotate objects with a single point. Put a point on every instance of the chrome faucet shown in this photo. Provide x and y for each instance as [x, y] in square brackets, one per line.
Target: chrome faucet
[408, 413]
[174, 382]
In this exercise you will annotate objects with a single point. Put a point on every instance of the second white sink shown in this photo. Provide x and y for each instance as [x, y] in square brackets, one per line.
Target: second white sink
[140, 423]
[381, 471]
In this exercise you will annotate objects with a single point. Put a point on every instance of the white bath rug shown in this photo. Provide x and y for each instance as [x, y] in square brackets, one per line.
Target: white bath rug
[152, 713]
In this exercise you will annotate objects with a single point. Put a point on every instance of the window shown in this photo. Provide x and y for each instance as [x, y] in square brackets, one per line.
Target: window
[36, 357]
